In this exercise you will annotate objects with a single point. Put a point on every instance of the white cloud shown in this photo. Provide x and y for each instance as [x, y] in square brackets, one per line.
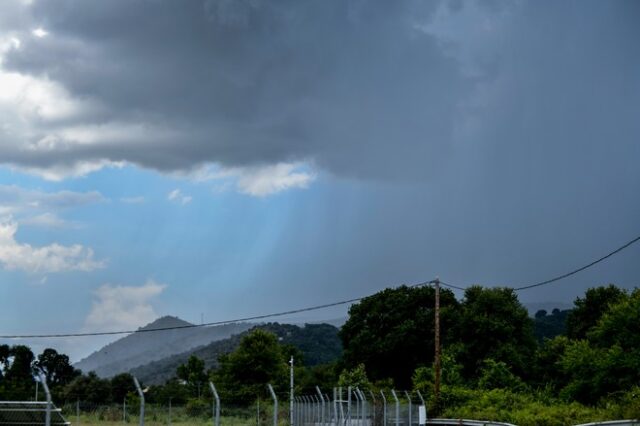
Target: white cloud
[261, 181]
[123, 307]
[39, 32]
[23, 199]
[178, 197]
[57, 173]
[38, 208]
[269, 180]
[48, 220]
[46, 259]
[25, 98]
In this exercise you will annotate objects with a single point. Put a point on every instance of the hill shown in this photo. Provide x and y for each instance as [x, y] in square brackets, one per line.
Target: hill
[140, 348]
[319, 344]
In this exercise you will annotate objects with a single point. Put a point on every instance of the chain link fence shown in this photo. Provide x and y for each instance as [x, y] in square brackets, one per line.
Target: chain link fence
[194, 413]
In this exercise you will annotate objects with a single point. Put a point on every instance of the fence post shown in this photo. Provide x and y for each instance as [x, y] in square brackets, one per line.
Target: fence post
[365, 407]
[358, 405]
[314, 408]
[408, 399]
[216, 411]
[373, 407]
[78, 411]
[141, 394]
[343, 419]
[393, 392]
[47, 418]
[322, 405]
[424, 405]
[335, 406]
[349, 405]
[384, 412]
[275, 405]
[297, 420]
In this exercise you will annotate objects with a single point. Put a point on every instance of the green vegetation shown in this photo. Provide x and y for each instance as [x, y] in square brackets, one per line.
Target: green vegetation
[549, 326]
[391, 332]
[497, 363]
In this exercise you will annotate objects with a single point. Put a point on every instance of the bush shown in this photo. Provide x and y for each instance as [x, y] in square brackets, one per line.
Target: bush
[522, 409]
[497, 375]
[197, 407]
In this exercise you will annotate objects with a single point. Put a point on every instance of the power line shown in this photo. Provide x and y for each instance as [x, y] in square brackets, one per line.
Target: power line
[179, 327]
[312, 308]
[575, 271]
[563, 276]
[453, 286]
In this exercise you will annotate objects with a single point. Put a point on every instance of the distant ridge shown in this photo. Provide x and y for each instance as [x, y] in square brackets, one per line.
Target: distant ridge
[319, 344]
[534, 307]
[141, 348]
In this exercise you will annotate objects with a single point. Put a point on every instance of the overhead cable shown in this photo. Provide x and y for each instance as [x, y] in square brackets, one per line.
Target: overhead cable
[559, 277]
[179, 327]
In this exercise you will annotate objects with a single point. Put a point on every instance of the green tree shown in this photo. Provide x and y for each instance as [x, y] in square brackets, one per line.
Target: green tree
[356, 378]
[193, 374]
[424, 377]
[121, 385]
[392, 331]
[620, 324]
[89, 388]
[498, 375]
[56, 368]
[547, 367]
[323, 375]
[550, 326]
[493, 324]
[17, 381]
[172, 389]
[5, 351]
[589, 309]
[243, 375]
[609, 359]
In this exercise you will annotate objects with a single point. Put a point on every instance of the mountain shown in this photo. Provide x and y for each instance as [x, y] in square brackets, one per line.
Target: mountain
[548, 326]
[534, 307]
[142, 347]
[319, 344]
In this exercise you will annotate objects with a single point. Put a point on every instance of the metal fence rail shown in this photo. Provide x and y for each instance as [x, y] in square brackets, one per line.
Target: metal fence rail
[30, 413]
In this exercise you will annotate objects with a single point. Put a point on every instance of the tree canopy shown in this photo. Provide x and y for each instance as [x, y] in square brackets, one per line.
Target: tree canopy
[244, 374]
[493, 324]
[391, 332]
[588, 309]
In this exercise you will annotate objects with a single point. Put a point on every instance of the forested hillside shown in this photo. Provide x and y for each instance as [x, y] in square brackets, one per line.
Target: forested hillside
[318, 344]
[140, 348]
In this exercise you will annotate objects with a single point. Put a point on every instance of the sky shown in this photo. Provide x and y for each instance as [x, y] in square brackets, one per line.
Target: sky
[216, 159]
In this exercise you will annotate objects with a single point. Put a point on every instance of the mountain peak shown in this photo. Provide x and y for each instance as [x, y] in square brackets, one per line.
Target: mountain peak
[166, 321]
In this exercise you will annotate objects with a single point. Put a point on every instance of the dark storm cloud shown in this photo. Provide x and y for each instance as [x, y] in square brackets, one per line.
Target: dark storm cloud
[360, 87]
[541, 174]
[513, 125]
[354, 86]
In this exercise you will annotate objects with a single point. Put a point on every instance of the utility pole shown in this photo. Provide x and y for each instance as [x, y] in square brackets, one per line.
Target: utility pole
[436, 360]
